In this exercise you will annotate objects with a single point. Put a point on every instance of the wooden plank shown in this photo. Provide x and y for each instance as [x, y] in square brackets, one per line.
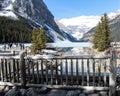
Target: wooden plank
[46, 72]
[88, 72]
[99, 72]
[56, 70]
[82, 72]
[28, 70]
[41, 70]
[9, 67]
[105, 74]
[17, 70]
[112, 78]
[14, 71]
[66, 72]
[23, 70]
[6, 71]
[2, 69]
[93, 72]
[33, 74]
[72, 71]
[90, 88]
[61, 71]
[51, 70]
[77, 80]
[38, 81]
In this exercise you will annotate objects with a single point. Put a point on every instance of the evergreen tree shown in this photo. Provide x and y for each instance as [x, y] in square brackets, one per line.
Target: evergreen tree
[96, 36]
[39, 40]
[102, 37]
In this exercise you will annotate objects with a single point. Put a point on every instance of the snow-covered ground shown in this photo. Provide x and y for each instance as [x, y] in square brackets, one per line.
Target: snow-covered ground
[65, 43]
[75, 48]
[78, 26]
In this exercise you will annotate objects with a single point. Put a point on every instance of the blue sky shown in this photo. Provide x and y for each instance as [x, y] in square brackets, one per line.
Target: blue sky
[73, 8]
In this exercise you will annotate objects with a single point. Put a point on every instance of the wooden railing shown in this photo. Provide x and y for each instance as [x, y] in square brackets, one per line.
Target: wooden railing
[97, 73]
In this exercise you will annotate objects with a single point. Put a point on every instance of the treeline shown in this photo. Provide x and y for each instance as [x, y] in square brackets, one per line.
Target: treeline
[14, 30]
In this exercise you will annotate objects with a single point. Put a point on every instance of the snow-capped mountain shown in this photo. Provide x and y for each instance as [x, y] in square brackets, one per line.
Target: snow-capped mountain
[114, 25]
[113, 15]
[35, 12]
[78, 26]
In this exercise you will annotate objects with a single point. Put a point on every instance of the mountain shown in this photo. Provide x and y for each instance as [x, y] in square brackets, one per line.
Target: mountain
[36, 13]
[78, 26]
[115, 28]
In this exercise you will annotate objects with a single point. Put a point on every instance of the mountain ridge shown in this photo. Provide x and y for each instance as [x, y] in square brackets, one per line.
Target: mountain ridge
[115, 30]
[35, 12]
[78, 26]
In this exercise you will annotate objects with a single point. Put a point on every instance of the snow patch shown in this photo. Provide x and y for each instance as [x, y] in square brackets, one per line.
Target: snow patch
[13, 1]
[113, 15]
[38, 56]
[77, 35]
[10, 7]
[8, 14]
[6, 83]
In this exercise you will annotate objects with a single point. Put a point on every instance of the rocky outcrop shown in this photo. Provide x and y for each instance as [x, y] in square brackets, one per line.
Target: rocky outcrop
[36, 11]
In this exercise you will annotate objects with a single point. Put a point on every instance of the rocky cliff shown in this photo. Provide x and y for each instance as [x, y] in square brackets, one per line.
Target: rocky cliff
[36, 11]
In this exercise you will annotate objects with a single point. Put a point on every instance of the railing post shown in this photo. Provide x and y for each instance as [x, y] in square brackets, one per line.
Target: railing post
[22, 70]
[112, 76]
[13, 53]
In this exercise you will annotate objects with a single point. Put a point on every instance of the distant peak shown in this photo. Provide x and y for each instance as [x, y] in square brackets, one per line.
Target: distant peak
[113, 15]
[90, 21]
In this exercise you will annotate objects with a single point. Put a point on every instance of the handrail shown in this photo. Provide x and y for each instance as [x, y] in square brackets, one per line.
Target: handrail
[60, 71]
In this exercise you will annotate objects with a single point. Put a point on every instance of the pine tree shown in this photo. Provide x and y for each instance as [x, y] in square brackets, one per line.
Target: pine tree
[39, 40]
[102, 36]
[96, 36]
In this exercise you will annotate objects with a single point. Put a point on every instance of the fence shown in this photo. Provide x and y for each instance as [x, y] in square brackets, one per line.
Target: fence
[83, 72]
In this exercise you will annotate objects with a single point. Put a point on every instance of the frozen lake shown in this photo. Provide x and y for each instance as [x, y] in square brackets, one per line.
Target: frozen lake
[70, 44]
[59, 44]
